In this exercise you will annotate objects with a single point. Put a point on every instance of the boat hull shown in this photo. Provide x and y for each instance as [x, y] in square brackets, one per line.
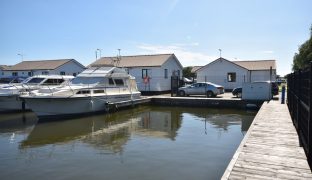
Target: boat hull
[46, 107]
[11, 103]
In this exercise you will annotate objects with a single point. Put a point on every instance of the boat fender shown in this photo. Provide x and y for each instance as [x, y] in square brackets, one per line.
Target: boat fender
[91, 104]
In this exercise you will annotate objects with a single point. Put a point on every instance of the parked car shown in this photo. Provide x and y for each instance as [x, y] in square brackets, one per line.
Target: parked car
[237, 92]
[201, 88]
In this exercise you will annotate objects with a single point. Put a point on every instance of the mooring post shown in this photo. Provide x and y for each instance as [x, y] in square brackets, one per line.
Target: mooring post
[283, 94]
[23, 105]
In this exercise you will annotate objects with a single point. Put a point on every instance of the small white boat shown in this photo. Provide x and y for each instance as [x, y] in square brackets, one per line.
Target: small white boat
[9, 93]
[93, 90]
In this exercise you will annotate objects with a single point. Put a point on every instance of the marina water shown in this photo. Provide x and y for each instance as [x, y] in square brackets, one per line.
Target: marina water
[145, 142]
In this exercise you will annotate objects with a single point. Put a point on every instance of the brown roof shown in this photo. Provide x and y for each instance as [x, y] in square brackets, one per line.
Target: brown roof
[257, 64]
[4, 67]
[135, 61]
[42, 64]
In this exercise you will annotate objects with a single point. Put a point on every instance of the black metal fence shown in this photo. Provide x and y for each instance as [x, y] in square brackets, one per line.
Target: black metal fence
[299, 100]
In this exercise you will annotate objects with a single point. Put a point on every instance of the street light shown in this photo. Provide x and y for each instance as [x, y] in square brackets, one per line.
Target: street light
[22, 56]
[100, 50]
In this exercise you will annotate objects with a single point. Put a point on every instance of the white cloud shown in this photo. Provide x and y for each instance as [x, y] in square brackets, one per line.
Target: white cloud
[268, 52]
[181, 50]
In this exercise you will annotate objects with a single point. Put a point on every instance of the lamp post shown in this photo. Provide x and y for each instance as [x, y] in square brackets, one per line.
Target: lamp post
[100, 50]
[22, 56]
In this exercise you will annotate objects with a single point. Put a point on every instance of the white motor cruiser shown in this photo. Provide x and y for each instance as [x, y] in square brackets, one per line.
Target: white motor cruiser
[9, 93]
[91, 91]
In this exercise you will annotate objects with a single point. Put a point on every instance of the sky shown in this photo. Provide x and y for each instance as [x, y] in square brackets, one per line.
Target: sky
[194, 30]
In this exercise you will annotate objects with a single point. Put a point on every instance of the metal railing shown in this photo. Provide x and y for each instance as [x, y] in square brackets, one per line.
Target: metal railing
[299, 101]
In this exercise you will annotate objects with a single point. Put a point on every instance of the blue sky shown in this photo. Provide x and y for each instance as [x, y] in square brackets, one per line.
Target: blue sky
[192, 29]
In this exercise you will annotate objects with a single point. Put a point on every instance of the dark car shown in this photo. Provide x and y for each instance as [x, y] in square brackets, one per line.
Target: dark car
[237, 92]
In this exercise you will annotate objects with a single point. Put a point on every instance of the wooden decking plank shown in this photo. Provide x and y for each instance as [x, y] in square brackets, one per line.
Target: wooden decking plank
[279, 169]
[242, 175]
[266, 174]
[275, 160]
[274, 150]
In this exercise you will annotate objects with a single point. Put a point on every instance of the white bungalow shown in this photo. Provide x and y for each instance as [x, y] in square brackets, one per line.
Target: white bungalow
[2, 68]
[152, 72]
[232, 74]
[44, 67]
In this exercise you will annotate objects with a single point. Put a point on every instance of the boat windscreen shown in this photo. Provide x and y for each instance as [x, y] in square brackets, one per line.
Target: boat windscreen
[35, 81]
[86, 80]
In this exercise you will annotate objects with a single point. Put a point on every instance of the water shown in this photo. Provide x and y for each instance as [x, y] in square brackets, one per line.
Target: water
[146, 142]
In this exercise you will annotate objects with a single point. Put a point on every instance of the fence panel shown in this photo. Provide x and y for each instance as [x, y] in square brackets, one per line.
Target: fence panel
[299, 101]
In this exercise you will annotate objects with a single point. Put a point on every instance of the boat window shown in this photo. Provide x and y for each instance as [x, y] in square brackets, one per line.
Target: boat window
[86, 80]
[35, 81]
[119, 82]
[83, 92]
[110, 81]
[53, 81]
[98, 91]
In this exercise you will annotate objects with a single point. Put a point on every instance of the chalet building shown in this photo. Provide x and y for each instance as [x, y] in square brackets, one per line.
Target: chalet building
[232, 74]
[44, 67]
[2, 68]
[152, 72]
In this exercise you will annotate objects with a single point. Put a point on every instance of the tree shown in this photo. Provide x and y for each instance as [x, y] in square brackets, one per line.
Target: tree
[304, 57]
[187, 72]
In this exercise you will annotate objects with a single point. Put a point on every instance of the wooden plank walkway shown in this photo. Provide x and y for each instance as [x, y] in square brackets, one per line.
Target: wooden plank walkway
[270, 149]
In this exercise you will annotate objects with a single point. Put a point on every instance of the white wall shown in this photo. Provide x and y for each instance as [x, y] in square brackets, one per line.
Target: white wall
[216, 72]
[19, 73]
[263, 75]
[157, 81]
[69, 68]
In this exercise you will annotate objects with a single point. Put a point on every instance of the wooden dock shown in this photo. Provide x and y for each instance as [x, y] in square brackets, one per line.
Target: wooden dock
[270, 149]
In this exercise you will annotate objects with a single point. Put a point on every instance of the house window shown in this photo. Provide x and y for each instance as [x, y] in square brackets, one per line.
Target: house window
[62, 73]
[144, 73]
[178, 73]
[29, 73]
[231, 77]
[14, 73]
[74, 74]
[127, 70]
[166, 73]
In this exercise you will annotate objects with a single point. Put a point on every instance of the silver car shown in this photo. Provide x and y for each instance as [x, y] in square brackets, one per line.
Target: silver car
[201, 88]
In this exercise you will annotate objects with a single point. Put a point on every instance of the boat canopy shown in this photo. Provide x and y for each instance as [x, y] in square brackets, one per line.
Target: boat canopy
[103, 72]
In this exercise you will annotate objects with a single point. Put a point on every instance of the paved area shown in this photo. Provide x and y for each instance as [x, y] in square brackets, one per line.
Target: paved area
[270, 149]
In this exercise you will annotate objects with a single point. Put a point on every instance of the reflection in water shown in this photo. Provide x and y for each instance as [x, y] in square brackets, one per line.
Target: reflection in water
[147, 142]
[112, 131]
[16, 122]
[107, 131]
